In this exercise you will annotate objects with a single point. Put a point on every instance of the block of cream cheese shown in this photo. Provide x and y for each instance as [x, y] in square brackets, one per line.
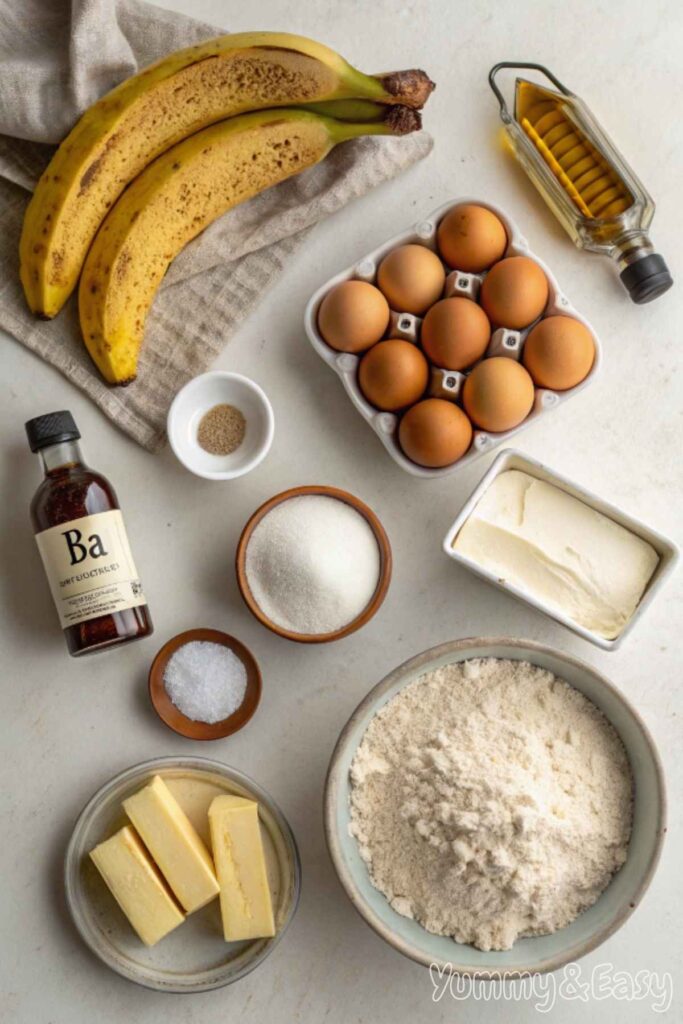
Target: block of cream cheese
[246, 906]
[557, 549]
[168, 834]
[137, 886]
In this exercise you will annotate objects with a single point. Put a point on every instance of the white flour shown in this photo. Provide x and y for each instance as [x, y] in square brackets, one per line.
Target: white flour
[491, 800]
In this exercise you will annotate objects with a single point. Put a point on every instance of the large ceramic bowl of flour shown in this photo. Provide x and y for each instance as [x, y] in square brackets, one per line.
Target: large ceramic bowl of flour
[534, 953]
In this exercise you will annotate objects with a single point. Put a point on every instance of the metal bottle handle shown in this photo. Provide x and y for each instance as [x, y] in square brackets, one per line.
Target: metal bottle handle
[505, 113]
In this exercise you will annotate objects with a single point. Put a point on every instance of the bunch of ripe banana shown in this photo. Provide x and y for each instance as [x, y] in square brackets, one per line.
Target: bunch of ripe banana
[155, 161]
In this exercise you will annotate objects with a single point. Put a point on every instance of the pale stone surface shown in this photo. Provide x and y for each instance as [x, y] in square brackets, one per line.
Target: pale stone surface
[69, 725]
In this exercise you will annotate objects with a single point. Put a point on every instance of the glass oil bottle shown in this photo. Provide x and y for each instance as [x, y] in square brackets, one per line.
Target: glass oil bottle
[583, 178]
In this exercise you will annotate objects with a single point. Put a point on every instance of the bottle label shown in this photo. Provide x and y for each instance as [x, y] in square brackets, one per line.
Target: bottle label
[90, 567]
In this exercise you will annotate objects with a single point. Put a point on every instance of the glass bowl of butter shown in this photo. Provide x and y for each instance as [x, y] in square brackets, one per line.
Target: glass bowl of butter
[129, 886]
[560, 548]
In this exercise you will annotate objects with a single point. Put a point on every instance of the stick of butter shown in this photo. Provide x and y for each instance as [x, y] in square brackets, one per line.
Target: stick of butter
[169, 836]
[137, 886]
[238, 852]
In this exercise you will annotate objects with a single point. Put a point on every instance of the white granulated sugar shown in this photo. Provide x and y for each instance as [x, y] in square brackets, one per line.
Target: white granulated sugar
[312, 564]
[205, 681]
[491, 800]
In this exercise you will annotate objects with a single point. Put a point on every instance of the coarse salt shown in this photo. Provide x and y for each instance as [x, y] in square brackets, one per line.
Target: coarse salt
[205, 681]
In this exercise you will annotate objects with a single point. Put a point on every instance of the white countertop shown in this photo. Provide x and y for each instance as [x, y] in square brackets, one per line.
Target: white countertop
[68, 725]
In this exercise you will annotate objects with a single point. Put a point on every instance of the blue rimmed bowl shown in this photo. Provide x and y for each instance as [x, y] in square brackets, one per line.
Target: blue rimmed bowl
[528, 955]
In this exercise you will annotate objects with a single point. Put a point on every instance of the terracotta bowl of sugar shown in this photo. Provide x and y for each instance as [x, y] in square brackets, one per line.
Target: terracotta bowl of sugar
[204, 684]
[313, 564]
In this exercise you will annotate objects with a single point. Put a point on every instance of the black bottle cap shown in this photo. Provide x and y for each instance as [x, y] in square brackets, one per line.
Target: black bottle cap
[52, 428]
[647, 278]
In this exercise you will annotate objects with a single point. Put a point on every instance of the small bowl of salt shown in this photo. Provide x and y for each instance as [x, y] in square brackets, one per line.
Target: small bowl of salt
[204, 684]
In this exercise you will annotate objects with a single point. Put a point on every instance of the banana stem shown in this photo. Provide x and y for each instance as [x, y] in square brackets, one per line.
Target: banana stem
[397, 120]
[350, 110]
[412, 88]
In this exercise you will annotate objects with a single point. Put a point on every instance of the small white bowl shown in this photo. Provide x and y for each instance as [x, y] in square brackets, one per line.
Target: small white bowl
[510, 458]
[203, 393]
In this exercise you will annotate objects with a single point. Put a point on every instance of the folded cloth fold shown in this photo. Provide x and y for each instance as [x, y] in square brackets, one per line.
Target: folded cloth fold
[58, 57]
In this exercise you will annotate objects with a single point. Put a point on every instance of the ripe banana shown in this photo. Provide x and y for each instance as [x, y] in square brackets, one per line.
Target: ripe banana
[173, 200]
[152, 111]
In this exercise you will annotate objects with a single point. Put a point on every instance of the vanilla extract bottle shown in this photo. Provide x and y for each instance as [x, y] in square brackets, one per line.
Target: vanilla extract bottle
[83, 544]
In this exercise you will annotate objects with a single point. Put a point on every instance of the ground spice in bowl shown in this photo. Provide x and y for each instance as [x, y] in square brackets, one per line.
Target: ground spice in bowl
[221, 430]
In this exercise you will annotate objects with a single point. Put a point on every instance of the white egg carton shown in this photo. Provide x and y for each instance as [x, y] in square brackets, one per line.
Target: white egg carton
[443, 383]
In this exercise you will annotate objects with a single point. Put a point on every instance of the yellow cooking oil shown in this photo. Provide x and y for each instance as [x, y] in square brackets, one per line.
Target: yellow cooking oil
[582, 177]
[586, 176]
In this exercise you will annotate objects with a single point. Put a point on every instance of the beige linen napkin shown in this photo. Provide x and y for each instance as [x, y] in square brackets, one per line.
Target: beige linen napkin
[56, 58]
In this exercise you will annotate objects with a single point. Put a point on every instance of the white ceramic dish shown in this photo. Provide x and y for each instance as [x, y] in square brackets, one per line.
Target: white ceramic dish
[539, 953]
[345, 365]
[513, 459]
[194, 957]
[196, 398]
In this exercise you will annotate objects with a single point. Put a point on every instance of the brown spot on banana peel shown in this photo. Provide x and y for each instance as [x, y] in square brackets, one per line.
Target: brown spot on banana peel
[89, 174]
[92, 169]
[412, 88]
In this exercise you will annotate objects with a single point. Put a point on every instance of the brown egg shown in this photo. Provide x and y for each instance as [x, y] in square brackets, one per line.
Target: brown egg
[353, 316]
[455, 333]
[393, 374]
[498, 394]
[412, 278]
[514, 292]
[559, 353]
[471, 238]
[435, 433]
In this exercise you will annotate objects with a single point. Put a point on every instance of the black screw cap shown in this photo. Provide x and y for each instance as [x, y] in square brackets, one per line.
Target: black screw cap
[647, 278]
[52, 428]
